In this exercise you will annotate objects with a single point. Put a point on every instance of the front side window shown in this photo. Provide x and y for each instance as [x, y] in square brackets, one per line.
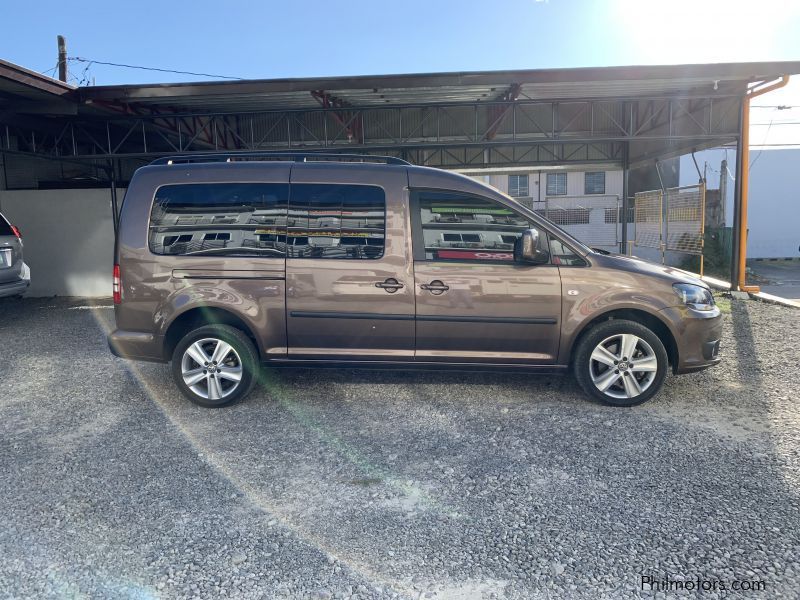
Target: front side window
[234, 219]
[595, 183]
[518, 186]
[462, 227]
[556, 184]
[336, 221]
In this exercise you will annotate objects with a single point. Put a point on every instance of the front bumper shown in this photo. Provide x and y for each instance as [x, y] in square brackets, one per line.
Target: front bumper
[698, 335]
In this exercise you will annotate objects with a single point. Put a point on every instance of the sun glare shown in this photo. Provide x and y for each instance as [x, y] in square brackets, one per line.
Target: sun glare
[691, 31]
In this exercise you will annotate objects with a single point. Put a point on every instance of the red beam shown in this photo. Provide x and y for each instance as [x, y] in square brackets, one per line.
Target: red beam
[349, 120]
[498, 112]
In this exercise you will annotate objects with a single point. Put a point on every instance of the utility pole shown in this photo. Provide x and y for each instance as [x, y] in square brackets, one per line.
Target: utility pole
[62, 59]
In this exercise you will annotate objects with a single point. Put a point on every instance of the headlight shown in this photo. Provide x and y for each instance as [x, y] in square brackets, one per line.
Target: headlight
[696, 296]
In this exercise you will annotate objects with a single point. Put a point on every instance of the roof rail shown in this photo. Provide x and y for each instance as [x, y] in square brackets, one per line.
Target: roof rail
[209, 157]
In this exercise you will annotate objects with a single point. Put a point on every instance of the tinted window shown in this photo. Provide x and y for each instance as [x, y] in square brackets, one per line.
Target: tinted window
[462, 227]
[336, 221]
[235, 219]
[5, 228]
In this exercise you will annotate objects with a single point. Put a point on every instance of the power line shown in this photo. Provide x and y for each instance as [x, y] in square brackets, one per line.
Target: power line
[50, 71]
[760, 152]
[111, 64]
[789, 145]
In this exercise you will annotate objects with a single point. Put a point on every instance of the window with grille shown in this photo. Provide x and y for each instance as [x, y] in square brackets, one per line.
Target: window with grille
[518, 186]
[556, 184]
[616, 215]
[566, 216]
[595, 183]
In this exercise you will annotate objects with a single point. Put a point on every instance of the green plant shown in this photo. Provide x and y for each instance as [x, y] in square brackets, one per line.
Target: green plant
[716, 254]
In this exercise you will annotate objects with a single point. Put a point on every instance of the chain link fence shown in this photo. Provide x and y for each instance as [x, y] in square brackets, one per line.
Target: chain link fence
[671, 220]
[647, 218]
[685, 219]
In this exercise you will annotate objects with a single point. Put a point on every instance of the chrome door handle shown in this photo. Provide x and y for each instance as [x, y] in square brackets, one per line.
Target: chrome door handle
[435, 287]
[391, 285]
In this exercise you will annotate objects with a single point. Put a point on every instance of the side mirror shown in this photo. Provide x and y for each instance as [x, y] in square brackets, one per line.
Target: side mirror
[530, 248]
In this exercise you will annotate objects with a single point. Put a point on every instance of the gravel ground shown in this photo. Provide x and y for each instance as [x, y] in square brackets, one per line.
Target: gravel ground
[337, 483]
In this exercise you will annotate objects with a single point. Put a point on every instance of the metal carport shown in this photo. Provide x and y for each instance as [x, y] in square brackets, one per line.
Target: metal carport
[628, 117]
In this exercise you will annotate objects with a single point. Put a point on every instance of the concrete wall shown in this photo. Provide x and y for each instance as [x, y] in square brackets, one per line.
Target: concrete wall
[773, 215]
[68, 237]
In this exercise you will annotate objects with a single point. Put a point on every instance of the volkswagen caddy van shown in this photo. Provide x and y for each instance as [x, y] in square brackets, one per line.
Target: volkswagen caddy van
[227, 262]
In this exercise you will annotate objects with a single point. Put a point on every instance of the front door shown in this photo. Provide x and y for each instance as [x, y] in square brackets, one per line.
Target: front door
[349, 281]
[474, 303]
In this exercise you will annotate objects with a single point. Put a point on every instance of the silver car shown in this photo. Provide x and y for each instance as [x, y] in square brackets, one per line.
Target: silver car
[15, 276]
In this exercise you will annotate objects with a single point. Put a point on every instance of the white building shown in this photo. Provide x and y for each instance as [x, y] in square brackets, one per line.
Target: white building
[587, 202]
[773, 215]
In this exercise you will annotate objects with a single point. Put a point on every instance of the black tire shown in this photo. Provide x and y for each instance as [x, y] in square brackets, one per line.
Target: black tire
[244, 354]
[583, 366]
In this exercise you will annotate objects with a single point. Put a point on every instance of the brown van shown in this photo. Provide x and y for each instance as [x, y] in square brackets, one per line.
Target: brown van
[224, 262]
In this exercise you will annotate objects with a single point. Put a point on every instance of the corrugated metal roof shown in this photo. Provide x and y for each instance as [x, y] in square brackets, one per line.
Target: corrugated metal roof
[19, 83]
[433, 88]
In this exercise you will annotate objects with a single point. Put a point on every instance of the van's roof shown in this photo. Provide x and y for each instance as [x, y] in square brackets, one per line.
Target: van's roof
[419, 176]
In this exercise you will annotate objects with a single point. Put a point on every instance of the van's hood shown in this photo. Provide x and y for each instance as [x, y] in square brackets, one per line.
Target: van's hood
[644, 267]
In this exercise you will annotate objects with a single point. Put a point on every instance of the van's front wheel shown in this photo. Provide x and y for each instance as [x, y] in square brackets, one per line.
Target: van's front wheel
[215, 365]
[622, 363]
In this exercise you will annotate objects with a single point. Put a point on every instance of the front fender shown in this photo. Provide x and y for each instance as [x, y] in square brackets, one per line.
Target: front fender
[590, 293]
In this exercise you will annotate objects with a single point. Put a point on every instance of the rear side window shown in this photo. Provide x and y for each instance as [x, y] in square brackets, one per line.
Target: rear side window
[5, 228]
[336, 221]
[233, 219]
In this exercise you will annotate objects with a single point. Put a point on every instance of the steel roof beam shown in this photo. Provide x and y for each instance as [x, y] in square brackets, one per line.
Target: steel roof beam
[350, 119]
[498, 112]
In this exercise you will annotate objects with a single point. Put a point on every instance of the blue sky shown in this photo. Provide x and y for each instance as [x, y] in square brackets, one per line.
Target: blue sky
[308, 38]
[252, 39]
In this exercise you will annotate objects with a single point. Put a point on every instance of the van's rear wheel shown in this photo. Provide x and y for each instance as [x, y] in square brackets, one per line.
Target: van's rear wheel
[215, 365]
[622, 363]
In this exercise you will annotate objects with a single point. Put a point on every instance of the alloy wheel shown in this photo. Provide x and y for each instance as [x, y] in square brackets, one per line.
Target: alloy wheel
[211, 368]
[623, 366]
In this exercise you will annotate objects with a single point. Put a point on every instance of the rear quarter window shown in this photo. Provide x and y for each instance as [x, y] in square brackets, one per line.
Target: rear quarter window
[5, 227]
[232, 219]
